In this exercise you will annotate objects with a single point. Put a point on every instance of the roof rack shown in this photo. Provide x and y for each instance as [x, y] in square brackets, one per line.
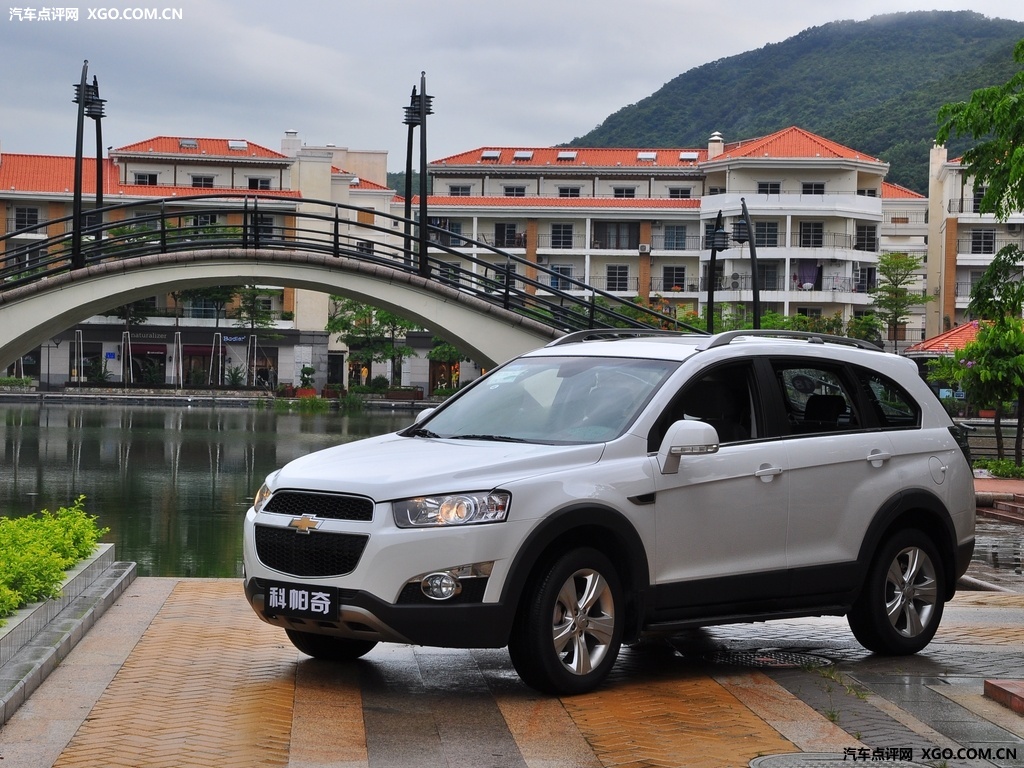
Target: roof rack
[722, 339]
[609, 334]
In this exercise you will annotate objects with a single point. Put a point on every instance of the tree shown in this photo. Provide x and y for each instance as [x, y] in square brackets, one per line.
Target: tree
[994, 117]
[893, 297]
[252, 312]
[372, 334]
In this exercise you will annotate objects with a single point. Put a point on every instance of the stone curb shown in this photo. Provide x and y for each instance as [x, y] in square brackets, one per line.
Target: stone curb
[38, 638]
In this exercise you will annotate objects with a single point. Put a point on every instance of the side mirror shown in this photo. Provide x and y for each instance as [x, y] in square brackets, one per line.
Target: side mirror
[685, 438]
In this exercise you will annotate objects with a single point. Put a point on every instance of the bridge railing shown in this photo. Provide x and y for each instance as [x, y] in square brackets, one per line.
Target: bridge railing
[269, 223]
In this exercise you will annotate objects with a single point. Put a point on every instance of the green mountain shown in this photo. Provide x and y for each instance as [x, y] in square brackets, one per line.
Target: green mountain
[875, 86]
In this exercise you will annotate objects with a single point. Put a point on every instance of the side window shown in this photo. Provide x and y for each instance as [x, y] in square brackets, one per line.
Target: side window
[723, 397]
[816, 397]
[893, 407]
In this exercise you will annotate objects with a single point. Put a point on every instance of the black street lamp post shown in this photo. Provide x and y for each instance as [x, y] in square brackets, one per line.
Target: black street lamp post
[87, 97]
[743, 232]
[416, 117]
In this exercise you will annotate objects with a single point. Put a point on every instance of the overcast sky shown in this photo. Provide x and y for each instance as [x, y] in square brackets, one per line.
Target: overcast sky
[524, 73]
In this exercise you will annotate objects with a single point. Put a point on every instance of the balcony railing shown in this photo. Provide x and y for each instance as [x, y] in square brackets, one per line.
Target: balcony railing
[984, 246]
[745, 282]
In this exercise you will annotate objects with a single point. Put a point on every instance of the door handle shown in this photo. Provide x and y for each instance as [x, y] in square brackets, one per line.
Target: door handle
[767, 473]
[876, 458]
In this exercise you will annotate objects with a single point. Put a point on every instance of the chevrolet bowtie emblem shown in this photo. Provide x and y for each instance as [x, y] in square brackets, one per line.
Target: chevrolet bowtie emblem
[305, 524]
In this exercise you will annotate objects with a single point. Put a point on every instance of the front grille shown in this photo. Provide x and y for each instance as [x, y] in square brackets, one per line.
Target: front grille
[309, 554]
[332, 506]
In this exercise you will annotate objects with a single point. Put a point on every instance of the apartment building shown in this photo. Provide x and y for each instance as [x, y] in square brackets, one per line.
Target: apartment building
[962, 241]
[639, 222]
[191, 341]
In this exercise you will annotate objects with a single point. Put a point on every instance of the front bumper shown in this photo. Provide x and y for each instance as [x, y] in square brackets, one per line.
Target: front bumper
[366, 617]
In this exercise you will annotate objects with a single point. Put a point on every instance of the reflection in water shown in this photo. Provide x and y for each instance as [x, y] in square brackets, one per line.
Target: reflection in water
[172, 484]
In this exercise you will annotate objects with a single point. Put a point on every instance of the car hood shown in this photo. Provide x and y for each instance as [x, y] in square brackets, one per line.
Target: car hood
[394, 467]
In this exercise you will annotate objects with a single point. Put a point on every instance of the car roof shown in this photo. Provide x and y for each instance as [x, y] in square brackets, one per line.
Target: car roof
[671, 345]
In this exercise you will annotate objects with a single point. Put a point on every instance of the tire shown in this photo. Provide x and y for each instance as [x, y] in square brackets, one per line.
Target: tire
[901, 602]
[569, 627]
[329, 648]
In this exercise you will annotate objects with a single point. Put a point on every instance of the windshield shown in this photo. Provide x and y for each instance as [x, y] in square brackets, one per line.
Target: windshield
[551, 400]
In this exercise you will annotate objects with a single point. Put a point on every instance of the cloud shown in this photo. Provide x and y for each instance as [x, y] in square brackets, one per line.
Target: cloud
[538, 72]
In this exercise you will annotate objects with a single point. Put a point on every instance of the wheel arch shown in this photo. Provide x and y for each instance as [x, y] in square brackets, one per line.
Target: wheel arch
[925, 512]
[583, 525]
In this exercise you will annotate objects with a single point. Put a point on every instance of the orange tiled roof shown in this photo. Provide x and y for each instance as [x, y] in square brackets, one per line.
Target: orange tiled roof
[572, 157]
[55, 175]
[182, 145]
[946, 343]
[892, 191]
[791, 142]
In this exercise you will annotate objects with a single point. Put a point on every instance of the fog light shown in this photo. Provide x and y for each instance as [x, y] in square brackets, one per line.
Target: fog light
[440, 586]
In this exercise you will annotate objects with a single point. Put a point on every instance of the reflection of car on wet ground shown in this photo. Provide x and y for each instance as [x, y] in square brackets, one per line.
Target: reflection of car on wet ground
[615, 484]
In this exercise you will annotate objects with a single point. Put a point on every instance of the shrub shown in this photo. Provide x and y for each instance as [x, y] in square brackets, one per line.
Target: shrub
[35, 551]
[1000, 467]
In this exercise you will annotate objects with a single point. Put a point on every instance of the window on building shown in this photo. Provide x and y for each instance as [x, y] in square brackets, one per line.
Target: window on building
[145, 179]
[809, 311]
[617, 277]
[716, 190]
[983, 241]
[203, 181]
[561, 236]
[515, 191]
[680, 193]
[204, 220]
[462, 190]
[866, 238]
[868, 192]
[568, 191]
[813, 187]
[766, 234]
[259, 182]
[769, 187]
[265, 225]
[812, 234]
[623, 191]
[621, 235]
[673, 278]
[25, 216]
[979, 193]
[768, 276]
[505, 235]
[558, 281]
[364, 247]
[675, 237]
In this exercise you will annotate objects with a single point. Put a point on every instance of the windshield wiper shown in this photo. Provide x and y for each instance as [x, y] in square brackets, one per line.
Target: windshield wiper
[422, 432]
[496, 438]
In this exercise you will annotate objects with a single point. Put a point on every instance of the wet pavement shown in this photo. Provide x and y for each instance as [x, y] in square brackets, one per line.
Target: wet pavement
[180, 672]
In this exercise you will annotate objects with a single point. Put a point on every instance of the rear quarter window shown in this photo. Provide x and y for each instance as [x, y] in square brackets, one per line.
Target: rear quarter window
[892, 405]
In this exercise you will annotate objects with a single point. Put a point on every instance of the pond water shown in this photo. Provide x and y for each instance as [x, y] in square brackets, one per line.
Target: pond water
[172, 484]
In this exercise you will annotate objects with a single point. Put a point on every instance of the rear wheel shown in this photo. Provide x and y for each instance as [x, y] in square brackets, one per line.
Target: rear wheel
[569, 629]
[901, 603]
[329, 648]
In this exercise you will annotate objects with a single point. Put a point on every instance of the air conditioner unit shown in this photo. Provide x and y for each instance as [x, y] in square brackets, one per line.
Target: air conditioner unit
[645, 248]
[542, 259]
[1012, 227]
[735, 285]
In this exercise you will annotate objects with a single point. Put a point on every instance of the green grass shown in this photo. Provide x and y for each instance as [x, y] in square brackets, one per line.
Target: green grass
[36, 551]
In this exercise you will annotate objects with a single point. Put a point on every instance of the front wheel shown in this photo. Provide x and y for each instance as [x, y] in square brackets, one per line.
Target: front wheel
[329, 648]
[901, 602]
[569, 628]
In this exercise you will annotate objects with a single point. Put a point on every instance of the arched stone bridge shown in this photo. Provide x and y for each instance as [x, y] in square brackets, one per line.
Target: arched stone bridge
[49, 282]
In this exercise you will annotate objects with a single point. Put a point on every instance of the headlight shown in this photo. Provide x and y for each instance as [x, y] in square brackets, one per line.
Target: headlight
[261, 498]
[452, 509]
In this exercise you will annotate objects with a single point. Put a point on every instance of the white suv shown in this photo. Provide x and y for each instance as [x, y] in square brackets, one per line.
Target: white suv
[618, 483]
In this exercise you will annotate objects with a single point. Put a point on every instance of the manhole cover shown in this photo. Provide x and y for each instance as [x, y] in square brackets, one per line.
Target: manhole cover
[822, 760]
[768, 658]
